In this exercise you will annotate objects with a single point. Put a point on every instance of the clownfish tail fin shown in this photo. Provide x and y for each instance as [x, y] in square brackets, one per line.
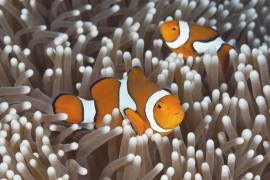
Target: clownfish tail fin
[72, 105]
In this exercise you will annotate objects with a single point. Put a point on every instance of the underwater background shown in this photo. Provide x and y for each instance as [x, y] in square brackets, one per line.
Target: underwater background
[64, 46]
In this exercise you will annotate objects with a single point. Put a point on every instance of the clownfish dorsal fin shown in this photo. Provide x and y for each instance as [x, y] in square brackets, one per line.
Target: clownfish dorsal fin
[136, 72]
[104, 87]
[202, 33]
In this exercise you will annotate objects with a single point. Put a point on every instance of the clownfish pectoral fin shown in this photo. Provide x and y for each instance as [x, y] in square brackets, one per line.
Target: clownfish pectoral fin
[187, 52]
[136, 120]
[71, 105]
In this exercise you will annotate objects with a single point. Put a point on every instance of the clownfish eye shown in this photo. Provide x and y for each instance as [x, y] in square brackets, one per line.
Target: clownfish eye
[159, 106]
[174, 28]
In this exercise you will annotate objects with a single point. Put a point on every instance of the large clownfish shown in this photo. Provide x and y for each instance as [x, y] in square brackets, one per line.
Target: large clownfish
[141, 101]
[194, 40]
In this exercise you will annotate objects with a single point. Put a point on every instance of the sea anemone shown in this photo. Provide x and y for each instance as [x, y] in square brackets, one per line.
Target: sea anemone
[54, 46]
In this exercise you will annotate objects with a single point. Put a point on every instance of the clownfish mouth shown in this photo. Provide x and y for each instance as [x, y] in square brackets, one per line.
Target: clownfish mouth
[178, 113]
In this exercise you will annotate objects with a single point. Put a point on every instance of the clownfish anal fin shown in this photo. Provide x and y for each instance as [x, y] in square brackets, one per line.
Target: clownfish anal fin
[136, 120]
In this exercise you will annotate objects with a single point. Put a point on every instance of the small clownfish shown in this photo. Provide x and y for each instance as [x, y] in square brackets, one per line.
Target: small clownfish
[141, 101]
[194, 40]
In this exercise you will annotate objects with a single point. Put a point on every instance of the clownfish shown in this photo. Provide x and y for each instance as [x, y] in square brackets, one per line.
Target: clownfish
[139, 100]
[194, 40]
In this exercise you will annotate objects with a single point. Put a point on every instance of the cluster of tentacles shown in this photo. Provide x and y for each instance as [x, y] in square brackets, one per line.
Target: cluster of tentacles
[53, 46]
